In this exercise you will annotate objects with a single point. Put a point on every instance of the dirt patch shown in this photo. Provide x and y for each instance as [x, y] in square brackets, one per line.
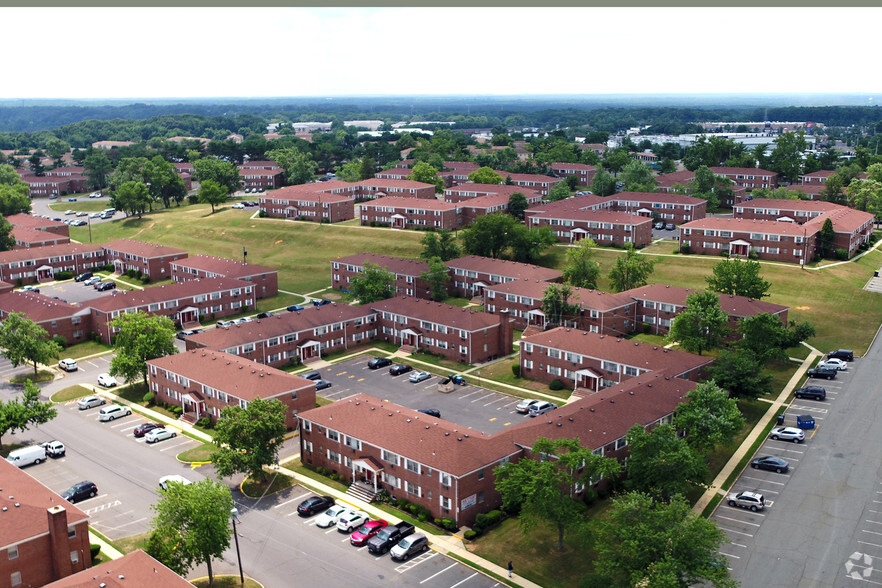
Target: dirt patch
[332, 296]
[277, 242]
[803, 307]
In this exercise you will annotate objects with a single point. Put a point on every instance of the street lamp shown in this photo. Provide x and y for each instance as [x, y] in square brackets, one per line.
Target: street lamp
[234, 516]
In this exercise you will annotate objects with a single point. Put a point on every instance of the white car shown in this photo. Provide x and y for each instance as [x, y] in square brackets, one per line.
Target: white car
[350, 521]
[174, 478]
[106, 380]
[238, 206]
[330, 516]
[68, 365]
[833, 364]
[787, 434]
[70, 212]
[524, 406]
[95, 215]
[159, 435]
[90, 402]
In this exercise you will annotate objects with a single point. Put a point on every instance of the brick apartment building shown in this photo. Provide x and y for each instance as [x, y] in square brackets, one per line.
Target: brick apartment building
[27, 238]
[410, 213]
[39, 264]
[45, 187]
[408, 272]
[256, 178]
[658, 304]
[448, 468]
[204, 382]
[470, 274]
[672, 208]
[467, 191]
[604, 226]
[150, 259]
[395, 173]
[184, 303]
[57, 317]
[600, 312]
[38, 223]
[308, 202]
[457, 333]
[584, 172]
[42, 537]
[591, 361]
[749, 177]
[537, 182]
[299, 336]
[379, 187]
[472, 209]
[265, 279]
[135, 568]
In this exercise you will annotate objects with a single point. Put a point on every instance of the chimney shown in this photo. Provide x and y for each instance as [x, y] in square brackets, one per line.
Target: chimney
[59, 558]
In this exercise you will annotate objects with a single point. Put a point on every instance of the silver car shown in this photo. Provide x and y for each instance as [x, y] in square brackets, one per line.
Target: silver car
[541, 408]
[419, 376]
[787, 434]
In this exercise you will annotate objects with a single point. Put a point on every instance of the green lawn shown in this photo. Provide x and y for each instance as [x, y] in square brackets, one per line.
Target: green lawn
[70, 393]
[300, 251]
[132, 542]
[275, 482]
[41, 376]
[199, 453]
[85, 349]
[83, 203]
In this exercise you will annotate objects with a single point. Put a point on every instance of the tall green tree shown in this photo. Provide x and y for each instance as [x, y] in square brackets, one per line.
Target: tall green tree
[517, 205]
[24, 341]
[616, 161]
[527, 245]
[546, 489]
[97, 167]
[368, 168]
[132, 198]
[739, 278]
[702, 325]
[349, 171]
[631, 270]
[18, 414]
[219, 171]
[828, 236]
[14, 193]
[440, 244]
[638, 177]
[7, 239]
[36, 164]
[786, 157]
[710, 418]
[661, 463]
[248, 439]
[165, 184]
[741, 375]
[556, 304]
[643, 542]
[437, 278]
[372, 284]
[581, 270]
[560, 191]
[191, 526]
[141, 337]
[489, 235]
[485, 175]
[210, 192]
[866, 195]
[425, 173]
[299, 168]
[766, 338]
[603, 183]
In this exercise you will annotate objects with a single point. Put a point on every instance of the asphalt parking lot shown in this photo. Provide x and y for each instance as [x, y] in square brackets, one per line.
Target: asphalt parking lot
[74, 292]
[471, 406]
[746, 530]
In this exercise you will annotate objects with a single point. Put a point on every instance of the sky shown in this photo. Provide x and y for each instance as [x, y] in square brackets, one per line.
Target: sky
[281, 52]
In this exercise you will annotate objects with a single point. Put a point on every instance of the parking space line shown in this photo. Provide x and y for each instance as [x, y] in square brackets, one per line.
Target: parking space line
[342, 373]
[438, 573]
[464, 396]
[730, 555]
[493, 419]
[761, 480]
[503, 398]
[292, 500]
[360, 380]
[871, 532]
[736, 532]
[466, 580]
[123, 425]
[738, 521]
[187, 441]
[409, 565]
[737, 544]
[870, 544]
[482, 398]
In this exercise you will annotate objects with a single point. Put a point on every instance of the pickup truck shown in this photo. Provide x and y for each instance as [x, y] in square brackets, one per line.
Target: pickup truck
[388, 537]
[821, 372]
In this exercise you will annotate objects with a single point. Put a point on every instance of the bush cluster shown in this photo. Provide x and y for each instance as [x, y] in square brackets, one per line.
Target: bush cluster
[63, 275]
[556, 384]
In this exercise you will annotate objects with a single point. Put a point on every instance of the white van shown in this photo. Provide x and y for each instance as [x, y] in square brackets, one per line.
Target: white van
[109, 413]
[27, 455]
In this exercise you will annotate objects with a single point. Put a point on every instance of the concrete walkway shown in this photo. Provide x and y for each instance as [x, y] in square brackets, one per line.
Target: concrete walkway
[776, 407]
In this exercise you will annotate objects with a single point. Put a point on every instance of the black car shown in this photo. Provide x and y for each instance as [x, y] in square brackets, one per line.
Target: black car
[811, 392]
[821, 372]
[313, 375]
[322, 384]
[379, 362]
[142, 430]
[314, 504]
[106, 286]
[294, 307]
[80, 491]
[771, 463]
[843, 354]
[83, 277]
[399, 368]
[264, 315]
[432, 412]
[320, 302]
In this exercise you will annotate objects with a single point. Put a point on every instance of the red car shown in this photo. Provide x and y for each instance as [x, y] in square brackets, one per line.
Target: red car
[366, 531]
[142, 430]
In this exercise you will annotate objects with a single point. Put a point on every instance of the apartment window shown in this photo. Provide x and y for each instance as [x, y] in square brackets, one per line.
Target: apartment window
[332, 435]
[74, 556]
[390, 457]
[528, 364]
[15, 579]
[71, 532]
[413, 489]
[307, 446]
[307, 426]
[528, 347]
[13, 552]
[481, 474]
[445, 479]
[610, 366]
[412, 466]
[333, 456]
[353, 443]
[621, 443]
[445, 503]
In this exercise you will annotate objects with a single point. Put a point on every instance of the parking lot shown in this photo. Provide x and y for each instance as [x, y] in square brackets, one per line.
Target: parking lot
[748, 530]
[73, 292]
[471, 406]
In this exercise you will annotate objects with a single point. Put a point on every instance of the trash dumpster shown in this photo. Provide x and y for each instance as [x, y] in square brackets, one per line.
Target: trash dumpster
[780, 420]
[805, 421]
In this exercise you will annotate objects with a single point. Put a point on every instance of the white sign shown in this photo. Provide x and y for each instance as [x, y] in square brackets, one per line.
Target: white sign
[469, 501]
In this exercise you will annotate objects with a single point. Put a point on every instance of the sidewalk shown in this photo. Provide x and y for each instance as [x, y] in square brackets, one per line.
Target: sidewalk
[775, 407]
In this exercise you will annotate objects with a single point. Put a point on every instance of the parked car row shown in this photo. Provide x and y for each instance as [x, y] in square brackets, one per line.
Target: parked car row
[151, 432]
[380, 537]
[535, 407]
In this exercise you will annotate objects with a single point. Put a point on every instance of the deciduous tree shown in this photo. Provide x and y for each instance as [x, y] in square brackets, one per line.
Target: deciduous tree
[556, 304]
[132, 198]
[97, 167]
[652, 544]
[141, 337]
[248, 439]
[581, 270]
[740, 374]
[14, 192]
[528, 244]
[440, 244]
[437, 278]
[221, 172]
[191, 526]
[24, 341]
[488, 236]
[517, 204]
[603, 184]
[18, 414]
[631, 270]
[210, 192]
[702, 325]
[738, 277]
[425, 173]
[786, 157]
[616, 161]
[7, 239]
[828, 236]
[661, 463]
[372, 284]
[709, 418]
[560, 191]
[299, 168]
[485, 175]
[638, 177]
[546, 489]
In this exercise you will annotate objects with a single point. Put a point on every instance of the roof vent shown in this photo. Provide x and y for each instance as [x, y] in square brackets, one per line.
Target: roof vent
[427, 426]
[611, 401]
[357, 403]
[667, 377]
[592, 409]
[390, 414]
[373, 408]
[571, 419]
[654, 348]
[559, 424]
[631, 393]
[637, 344]
[459, 438]
[466, 435]
[447, 433]
[17, 505]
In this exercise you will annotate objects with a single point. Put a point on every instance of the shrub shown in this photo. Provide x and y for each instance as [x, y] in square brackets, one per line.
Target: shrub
[64, 275]
[481, 521]
[193, 198]
[516, 370]
[204, 422]
[753, 254]
[556, 384]
[60, 340]
[138, 274]
[145, 279]
[448, 524]
[842, 254]
[109, 267]
[262, 214]
[401, 503]
[590, 496]
[94, 549]
[470, 534]
[148, 398]
[646, 328]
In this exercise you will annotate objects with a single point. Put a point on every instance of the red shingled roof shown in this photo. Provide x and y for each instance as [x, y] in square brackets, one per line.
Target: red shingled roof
[222, 266]
[383, 183]
[141, 248]
[743, 225]
[414, 203]
[436, 312]
[133, 569]
[37, 307]
[47, 252]
[738, 306]
[584, 297]
[121, 299]
[396, 265]
[502, 267]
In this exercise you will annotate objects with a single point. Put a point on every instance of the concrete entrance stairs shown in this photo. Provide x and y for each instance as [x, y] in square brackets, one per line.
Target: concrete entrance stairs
[362, 491]
[188, 417]
[532, 330]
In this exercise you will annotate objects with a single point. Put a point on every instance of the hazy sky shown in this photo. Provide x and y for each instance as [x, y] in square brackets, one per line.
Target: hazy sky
[209, 52]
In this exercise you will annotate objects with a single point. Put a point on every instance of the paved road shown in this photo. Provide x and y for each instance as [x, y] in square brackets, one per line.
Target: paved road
[824, 527]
